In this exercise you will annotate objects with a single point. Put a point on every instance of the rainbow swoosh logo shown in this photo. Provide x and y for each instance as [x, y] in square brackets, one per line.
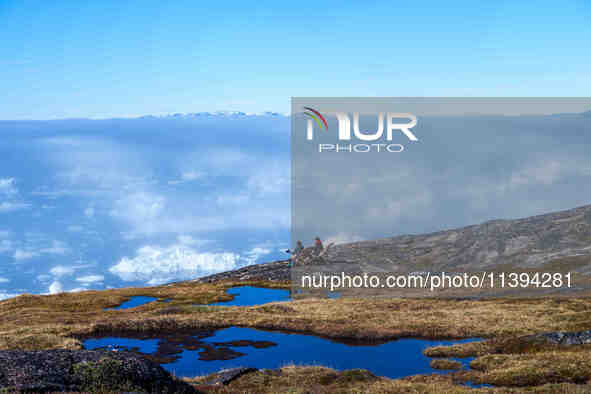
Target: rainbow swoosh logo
[317, 116]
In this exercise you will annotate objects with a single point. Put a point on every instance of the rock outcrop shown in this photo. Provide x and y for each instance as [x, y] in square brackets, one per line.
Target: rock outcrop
[276, 271]
[226, 376]
[567, 338]
[86, 371]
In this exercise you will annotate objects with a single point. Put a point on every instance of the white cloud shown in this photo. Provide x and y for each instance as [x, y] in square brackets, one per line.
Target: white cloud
[9, 190]
[397, 207]
[4, 280]
[43, 278]
[97, 163]
[120, 179]
[148, 213]
[255, 253]
[192, 175]
[35, 250]
[57, 247]
[8, 206]
[482, 193]
[5, 296]
[56, 288]
[189, 240]
[221, 162]
[5, 245]
[161, 264]
[7, 186]
[139, 207]
[266, 183]
[89, 212]
[272, 179]
[72, 142]
[233, 199]
[21, 254]
[187, 176]
[90, 279]
[545, 173]
[61, 270]
[341, 238]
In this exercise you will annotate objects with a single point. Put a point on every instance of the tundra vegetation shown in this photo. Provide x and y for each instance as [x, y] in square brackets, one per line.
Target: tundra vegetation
[510, 357]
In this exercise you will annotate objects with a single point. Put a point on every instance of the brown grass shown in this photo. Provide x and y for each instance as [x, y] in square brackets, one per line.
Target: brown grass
[320, 380]
[55, 321]
[445, 363]
[559, 366]
[460, 350]
[61, 321]
[521, 361]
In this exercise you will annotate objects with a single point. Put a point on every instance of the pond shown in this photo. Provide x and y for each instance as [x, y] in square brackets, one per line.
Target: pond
[251, 296]
[133, 302]
[201, 353]
[243, 296]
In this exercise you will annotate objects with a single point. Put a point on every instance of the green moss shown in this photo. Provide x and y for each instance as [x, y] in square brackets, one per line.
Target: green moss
[103, 376]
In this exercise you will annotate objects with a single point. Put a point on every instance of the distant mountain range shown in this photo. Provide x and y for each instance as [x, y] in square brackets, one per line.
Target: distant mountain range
[241, 114]
[229, 114]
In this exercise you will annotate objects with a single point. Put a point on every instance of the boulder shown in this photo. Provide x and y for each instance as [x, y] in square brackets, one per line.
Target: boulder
[84, 370]
[225, 376]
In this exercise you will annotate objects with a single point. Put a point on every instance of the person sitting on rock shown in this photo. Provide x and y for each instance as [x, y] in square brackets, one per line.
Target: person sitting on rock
[294, 255]
[318, 247]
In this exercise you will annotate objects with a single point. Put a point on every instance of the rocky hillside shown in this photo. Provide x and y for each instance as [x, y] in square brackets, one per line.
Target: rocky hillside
[535, 242]
[557, 242]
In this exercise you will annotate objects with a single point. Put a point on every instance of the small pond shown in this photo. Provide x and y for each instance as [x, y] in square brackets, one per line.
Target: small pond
[202, 353]
[134, 302]
[251, 296]
[243, 296]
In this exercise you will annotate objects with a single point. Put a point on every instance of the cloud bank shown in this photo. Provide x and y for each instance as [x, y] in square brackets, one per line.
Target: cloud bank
[157, 265]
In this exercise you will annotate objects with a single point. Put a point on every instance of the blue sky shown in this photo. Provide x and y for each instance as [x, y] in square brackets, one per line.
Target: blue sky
[110, 203]
[64, 59]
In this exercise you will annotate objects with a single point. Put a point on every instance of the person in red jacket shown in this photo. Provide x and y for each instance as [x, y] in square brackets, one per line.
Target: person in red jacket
[318, 247]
